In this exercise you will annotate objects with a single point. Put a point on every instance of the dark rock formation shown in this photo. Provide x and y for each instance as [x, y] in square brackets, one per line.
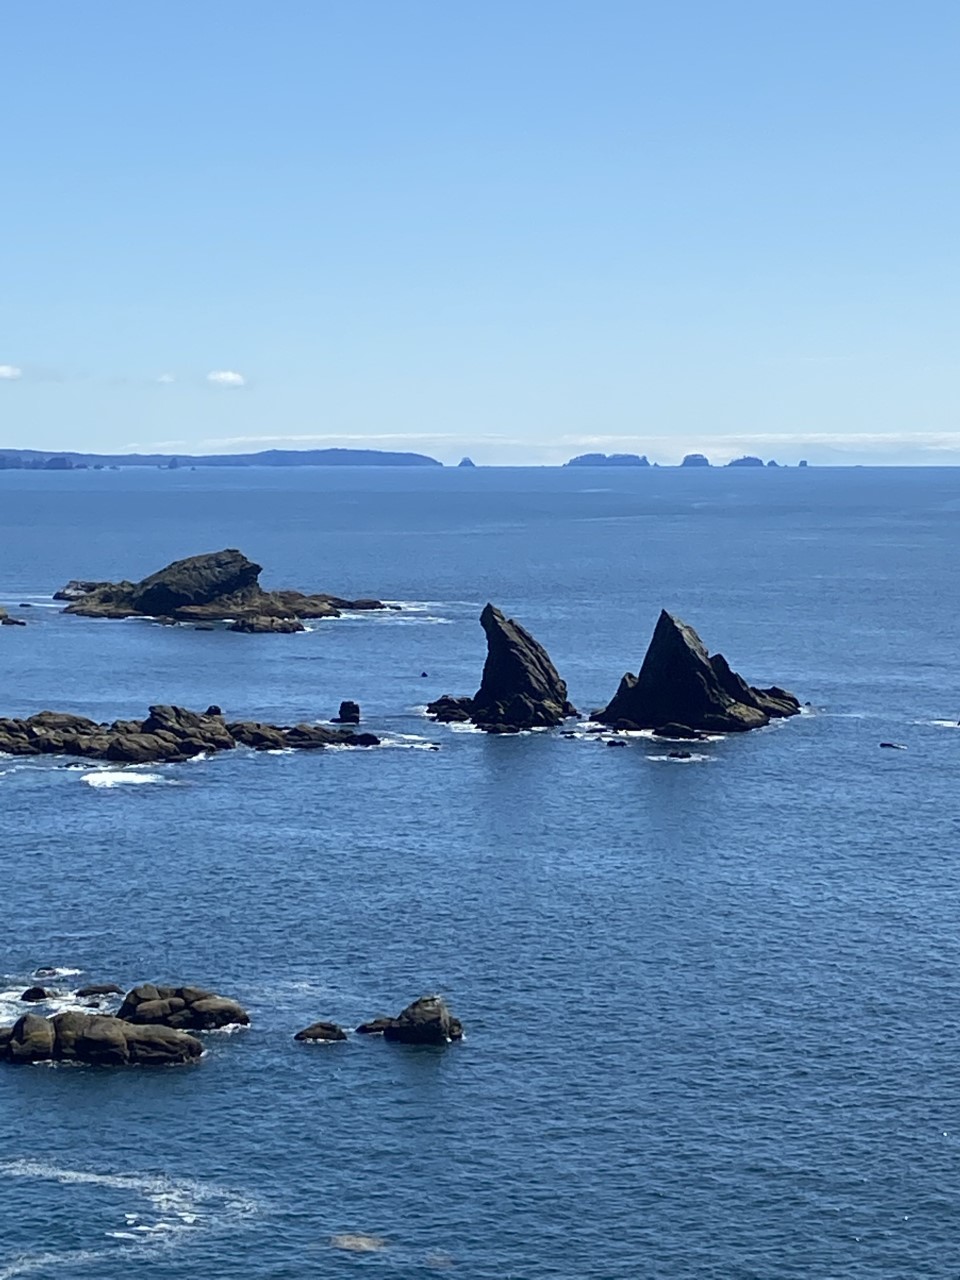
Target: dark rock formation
[97, 1039]
[466, 462]
[519, 689]
[376, 1026]
[183, 1008]
[892, 746]
[217, 587]
[450, 710]
[33, 995]
[680, 755]
[426, 1021]
[100, 989]
[349, 713]
[748, 460]
[168, 735]
[695, 460]
[7, 621]
[680, 684]
[321, 1031]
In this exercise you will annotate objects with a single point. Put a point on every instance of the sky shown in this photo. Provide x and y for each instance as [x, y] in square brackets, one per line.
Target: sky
[518, 230]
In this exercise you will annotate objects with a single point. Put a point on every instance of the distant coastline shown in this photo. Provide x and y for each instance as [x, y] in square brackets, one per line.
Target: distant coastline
[63, 460]
[66, 460]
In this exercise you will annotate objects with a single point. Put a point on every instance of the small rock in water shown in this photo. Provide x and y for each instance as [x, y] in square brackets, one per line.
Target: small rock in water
[45, 972]
[33, 995]
[894, 746]
[679, 755]
[349, 713]
[100, 989]
[328, 1031]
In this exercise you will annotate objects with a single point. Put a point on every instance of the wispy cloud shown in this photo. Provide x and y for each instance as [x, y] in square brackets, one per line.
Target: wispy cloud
[10, 372]
[226, 378]
[166, 378]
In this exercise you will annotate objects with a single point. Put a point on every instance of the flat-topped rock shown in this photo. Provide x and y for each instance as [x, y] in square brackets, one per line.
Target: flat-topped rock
[168, 735]
[520, 687]
[681, 687]
[219, 586]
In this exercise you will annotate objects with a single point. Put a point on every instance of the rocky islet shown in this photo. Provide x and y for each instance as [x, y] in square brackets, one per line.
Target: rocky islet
[216, 587]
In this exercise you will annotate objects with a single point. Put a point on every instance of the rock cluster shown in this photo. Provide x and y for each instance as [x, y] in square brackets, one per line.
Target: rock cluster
[520, 687]
[183, 1008]
[426, 1021]
[94, 1038]
[681, 690]
[151, 1028]
[168, 734]
[221, 586]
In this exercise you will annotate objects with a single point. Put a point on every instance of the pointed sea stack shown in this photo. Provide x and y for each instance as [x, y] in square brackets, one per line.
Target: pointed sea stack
[679, 683]
[520, 687]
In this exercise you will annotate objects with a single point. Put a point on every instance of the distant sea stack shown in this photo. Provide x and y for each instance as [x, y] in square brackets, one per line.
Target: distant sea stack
[466, 462]
[520, 687]
[608, 460]
[695, 460]
[748, 460]
[680, 686]
[220, 586]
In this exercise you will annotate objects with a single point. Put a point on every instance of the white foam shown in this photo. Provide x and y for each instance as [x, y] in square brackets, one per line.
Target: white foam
[940, 724]
[177, 1209]
[408, 742]
[693, 758]
[108, 778]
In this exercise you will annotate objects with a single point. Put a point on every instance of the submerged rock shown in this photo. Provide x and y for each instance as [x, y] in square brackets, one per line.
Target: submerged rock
[679, 684]
[183, 1008]
[96, 1039]
[168, 735]
[520, 687]
[220, 586]
[100, 989]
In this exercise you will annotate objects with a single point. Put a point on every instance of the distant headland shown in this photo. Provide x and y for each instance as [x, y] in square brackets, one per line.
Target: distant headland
[42, 460]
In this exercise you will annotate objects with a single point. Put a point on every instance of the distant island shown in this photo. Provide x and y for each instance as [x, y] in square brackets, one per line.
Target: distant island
[608, 460]
[39, 460]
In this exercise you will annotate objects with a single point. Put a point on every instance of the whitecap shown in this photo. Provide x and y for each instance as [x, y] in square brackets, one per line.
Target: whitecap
[940, 724]
[108, 778]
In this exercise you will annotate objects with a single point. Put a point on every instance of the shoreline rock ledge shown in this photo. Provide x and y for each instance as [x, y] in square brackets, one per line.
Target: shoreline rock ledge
[520, 687]
[168, 735]
[680, 686]
[221, 586]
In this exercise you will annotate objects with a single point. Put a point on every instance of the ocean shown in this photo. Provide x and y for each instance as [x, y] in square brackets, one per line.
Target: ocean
[712, 1006]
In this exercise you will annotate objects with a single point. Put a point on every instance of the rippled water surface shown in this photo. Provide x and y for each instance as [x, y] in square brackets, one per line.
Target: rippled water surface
[712, 1006]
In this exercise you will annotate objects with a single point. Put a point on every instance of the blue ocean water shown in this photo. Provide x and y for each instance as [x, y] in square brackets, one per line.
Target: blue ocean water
[712, 1006]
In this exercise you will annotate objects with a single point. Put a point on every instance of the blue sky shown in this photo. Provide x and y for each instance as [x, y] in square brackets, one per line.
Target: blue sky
[519, 230]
